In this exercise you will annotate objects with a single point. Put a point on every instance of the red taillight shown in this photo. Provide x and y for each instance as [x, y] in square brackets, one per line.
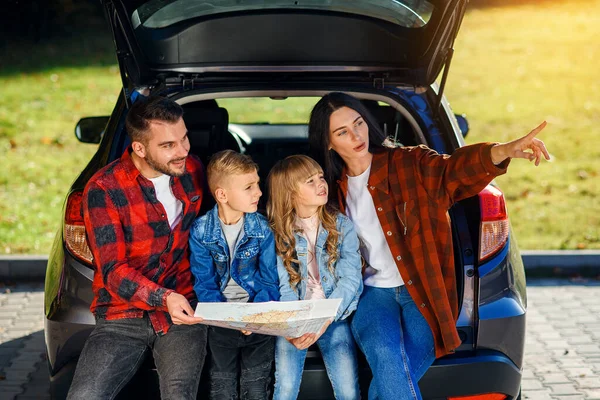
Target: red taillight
[487, 396]
[494, 222]
[74, 232]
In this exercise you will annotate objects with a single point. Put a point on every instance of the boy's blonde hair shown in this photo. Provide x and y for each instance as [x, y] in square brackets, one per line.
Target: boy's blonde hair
[226, 163]
[283, 182]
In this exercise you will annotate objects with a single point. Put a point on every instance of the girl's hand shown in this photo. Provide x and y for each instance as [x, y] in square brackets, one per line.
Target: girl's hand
[302, 342]
[325, 326]
[517, 148]
[308, 339]
[246, 332]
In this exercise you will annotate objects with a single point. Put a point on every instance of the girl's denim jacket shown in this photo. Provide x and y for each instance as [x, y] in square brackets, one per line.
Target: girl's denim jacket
[254, 261]
[346, 280]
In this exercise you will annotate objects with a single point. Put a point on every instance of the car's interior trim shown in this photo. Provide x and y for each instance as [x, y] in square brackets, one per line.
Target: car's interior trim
[274, 68]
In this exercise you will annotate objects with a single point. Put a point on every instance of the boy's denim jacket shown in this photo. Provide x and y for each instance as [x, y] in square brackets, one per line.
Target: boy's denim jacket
[345, 282]
[254, 260]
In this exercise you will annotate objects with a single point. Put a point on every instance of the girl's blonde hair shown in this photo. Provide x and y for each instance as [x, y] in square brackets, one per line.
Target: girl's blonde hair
[283, 182]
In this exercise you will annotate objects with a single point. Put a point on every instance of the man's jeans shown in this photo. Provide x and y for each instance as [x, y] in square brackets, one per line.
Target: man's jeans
[339, 354]
[251, 354]
[396, 340]
[115, 350]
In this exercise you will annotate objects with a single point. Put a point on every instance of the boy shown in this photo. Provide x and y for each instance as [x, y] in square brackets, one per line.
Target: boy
[233, 259]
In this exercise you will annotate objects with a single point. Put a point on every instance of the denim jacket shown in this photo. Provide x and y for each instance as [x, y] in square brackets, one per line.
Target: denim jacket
[345, 282]
[254, 260]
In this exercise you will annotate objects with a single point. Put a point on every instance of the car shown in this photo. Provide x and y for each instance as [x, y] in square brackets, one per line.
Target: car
[217, 58]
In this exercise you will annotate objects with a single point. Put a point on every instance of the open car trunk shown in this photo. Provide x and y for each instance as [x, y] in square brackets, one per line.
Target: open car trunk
[402, 42]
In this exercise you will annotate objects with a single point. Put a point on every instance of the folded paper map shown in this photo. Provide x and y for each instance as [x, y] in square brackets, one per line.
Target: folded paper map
[286, 318]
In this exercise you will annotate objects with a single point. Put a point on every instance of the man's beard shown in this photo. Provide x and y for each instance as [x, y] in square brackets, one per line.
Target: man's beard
[164, 168]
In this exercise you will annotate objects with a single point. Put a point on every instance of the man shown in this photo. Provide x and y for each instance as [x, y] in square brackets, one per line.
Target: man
[138, 211]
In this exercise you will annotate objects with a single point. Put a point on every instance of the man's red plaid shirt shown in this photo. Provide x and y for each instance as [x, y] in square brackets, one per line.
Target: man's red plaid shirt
[139, 259]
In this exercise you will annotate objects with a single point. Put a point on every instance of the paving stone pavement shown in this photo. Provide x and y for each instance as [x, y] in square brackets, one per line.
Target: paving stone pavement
[23, 371]
[562, 359]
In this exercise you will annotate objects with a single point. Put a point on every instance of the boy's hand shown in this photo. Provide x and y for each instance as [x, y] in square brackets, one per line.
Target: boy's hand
[246, 332]
[180, 310]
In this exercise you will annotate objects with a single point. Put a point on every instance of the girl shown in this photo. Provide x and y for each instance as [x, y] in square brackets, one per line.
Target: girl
[318, 258]
[398, 199]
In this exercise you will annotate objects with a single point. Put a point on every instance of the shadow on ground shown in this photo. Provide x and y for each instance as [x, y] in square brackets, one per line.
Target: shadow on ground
[92, 47]
[23, 370]
[578, 281]
[39, 35]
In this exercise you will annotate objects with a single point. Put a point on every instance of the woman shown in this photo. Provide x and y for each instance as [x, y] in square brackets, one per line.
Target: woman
[398, 199]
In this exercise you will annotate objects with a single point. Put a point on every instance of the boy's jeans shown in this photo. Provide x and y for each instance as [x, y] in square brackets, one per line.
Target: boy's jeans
[396, 340]
[339, 354]
[115, 349]
[252, 354]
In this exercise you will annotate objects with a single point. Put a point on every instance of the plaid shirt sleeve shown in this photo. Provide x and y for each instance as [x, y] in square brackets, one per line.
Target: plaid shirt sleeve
[450, 178]
[107, 241]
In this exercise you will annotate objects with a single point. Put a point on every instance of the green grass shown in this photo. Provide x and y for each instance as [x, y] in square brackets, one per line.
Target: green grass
[42, 98]
[514, 67]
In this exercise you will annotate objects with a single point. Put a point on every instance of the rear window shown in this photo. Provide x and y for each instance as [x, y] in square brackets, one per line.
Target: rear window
[262, 110]
[162, 13]
[268, 117]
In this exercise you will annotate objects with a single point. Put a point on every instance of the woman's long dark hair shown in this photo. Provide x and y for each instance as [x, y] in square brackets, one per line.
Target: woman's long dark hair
[318, 135]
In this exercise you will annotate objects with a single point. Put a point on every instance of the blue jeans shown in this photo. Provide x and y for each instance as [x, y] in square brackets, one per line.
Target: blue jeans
[115, 350]
[339, 354]
[396, 341]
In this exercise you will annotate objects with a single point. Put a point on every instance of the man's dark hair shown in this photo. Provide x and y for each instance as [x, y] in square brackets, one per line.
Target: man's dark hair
[153, 108]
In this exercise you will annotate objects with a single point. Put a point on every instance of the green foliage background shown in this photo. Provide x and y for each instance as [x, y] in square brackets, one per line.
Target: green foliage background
[516, 64]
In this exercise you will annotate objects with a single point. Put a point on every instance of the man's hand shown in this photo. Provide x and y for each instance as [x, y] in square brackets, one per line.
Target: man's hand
[517, 148]
[180, 310]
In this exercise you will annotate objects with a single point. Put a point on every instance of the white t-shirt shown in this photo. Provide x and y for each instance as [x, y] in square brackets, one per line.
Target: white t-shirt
[164, 194]
[381, 270]
[233, 292]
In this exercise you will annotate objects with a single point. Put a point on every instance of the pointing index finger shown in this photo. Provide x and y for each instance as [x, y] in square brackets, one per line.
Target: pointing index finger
[536, 130]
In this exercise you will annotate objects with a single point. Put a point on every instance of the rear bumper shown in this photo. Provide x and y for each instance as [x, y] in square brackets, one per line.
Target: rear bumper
[484, 372]
[480, 372]
[61, 381]
[461, 374]
[64, 341]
